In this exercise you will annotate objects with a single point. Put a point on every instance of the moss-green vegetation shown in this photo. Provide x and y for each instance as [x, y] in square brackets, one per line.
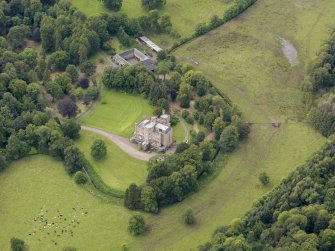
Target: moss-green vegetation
[117, 169]
[118, 112]
[185, 15]
[39, 184]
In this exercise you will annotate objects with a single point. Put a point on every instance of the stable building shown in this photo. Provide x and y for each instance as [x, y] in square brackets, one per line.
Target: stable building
[133, 57]
[146, 41]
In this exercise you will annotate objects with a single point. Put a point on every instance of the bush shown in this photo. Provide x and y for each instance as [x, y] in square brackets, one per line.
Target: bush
[69, 249]
[92, 93]
[80, 178]
[16, 244]
[185, 114]
[189, 217]
[84, 83]
[88, 68]
[98, 149]
[182, 147]
[136, 225]
[264, 178]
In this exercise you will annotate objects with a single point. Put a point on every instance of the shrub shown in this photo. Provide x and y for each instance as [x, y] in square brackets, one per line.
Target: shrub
[182, 147]
[80, 178]
[98, 149]
[69, 249]
[84, 83]
[88, 68]
[185, 114]
[264, 178]
[189, 217]
[92, 92]
[16, 244]
[136, 225]
[67, 107]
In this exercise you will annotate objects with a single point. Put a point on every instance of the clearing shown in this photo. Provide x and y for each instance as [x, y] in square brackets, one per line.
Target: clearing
[117, 169]
[118, 112]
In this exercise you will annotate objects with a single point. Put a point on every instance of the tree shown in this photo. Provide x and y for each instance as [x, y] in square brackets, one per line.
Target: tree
[188, 217]
[72, 71]
[327, 241]
[148, 200]
[229, 138]
[73, 160]
[54, 90]
[264, 178]
[153, 4]
[84, 83]
[132, 197]
[3, 163]
[163, 68]
[88, 67]
[93, 92]
[67, 107]
[136, 225]
[98, 149]
[47, 33]
[217, 127]
[185, 95]
[113, 4]
[80, 178]
[16, 244]
[71, 129]
[59, 60]
[16, 36]
[16, 148]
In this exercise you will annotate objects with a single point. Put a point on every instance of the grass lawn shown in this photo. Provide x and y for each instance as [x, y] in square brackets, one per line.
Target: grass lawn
[117, 169]
[185, 15]
[118, 112]
[39, 184]
[178, 133]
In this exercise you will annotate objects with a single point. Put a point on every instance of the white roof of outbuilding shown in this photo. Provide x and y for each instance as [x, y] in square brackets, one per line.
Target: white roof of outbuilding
[151, 44]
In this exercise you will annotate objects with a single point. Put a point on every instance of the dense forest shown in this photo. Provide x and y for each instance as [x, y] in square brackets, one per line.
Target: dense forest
[321, 88]
[297, 215]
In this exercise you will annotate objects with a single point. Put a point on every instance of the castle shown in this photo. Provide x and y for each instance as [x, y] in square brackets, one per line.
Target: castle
[154, 133]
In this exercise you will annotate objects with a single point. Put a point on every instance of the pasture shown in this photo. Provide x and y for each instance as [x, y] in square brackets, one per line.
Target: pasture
[43, 206]
[118, 112]
[118, 170]
[185, 15]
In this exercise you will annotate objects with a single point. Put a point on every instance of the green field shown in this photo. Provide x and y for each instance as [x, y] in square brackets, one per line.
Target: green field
[185, 15]
[243, 59]
[118, 112]
[40, 183]
[117, 169]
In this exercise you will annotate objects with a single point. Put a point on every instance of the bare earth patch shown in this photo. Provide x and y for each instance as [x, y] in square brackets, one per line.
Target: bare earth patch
[290, 52]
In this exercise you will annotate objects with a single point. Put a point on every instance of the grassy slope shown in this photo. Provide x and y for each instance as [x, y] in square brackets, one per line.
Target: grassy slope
[117, 169]
[40, 182]
[118, 112]
[245, 54]
[185, 15]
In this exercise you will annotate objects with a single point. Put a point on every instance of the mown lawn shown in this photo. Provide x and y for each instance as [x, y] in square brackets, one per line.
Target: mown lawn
[185, 15]
[117, 169]
[39, 185]
[118, 112]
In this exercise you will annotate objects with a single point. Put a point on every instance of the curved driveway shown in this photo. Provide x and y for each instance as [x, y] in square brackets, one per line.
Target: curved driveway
[123, 143]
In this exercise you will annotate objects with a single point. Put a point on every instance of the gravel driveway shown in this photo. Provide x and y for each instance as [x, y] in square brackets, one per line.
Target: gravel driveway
[123, 143]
